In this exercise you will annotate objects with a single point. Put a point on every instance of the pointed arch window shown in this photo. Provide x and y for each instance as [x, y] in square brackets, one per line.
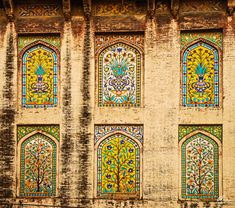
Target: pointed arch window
[38, 166]
[200, 166]
[119, 67]
[39, 64]
[118, 167]
[201, 74]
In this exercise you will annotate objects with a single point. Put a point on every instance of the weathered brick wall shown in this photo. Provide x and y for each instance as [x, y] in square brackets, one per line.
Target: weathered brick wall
[8, 112]
[78, 111]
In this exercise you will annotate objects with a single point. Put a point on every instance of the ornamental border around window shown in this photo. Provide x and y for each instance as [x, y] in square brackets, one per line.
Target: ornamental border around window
[28, 43]
[213, 41]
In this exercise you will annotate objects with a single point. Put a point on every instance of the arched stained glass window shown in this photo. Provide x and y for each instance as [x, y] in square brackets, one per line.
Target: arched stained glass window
[38, 166]
[118, 167]
[119, 76]
[39, 77]
[200, 168]
[200, 79]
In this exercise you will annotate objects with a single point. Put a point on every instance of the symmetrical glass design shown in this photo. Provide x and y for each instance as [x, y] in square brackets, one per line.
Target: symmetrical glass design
[200, 147]
[118, 166]
[201, 71]
[39, 77]
[200, 168]
[38, 166]
[119, 76]
[118, 154]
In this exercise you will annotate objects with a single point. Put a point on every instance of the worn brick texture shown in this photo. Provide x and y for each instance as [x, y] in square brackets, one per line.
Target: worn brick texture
[78, 111]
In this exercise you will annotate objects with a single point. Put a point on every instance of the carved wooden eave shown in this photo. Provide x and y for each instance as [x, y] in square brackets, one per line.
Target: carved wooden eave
[9, 9]
[231, 7]
[175, 5]
[151, 8]
[66, 9]
[87, 8]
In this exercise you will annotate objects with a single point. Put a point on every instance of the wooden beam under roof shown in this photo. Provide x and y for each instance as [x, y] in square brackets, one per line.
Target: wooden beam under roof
[9, 9]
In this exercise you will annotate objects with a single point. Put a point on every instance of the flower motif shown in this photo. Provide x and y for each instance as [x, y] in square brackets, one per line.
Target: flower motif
[108, 176]
[209, 183]
[199, 150]
[109, 147]
[109, 186]
[109, 162]
[131, 150]
[191, 181]
[130, 162]
[210, 162]
[130, 170]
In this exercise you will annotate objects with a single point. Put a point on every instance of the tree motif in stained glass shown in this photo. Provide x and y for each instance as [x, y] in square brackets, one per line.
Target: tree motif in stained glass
[200, 75]
[119, 76]
[39, 77]
[118, 166]
[200, 167]
[38, 166]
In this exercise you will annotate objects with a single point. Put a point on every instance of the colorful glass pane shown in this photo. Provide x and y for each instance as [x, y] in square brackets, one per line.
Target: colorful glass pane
[119, 76]
[200, 75]
[39, 66]
[118, 166]
[38, 166]
[200, 168]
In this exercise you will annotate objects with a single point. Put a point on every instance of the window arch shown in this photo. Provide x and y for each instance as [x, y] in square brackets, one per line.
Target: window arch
[200, 78]
[119, 67]
[200, 173]
[38, 166]
[118, 167]
[39, 75]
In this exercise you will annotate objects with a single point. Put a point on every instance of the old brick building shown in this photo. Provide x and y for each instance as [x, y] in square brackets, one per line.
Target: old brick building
[117, 103]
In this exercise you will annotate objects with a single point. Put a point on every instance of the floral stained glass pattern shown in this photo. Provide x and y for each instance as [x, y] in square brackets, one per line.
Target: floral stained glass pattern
[200, 168]
[39, 80]
[38, 166]
[201, 69]
[201, 75]
[118, 166]
[119, 76]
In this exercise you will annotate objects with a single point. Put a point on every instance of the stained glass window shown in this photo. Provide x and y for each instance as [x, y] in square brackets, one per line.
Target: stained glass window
[200, 168]
[39, 77]
[118, 167]
[38, 166]
[119, 76]
[201, 69]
